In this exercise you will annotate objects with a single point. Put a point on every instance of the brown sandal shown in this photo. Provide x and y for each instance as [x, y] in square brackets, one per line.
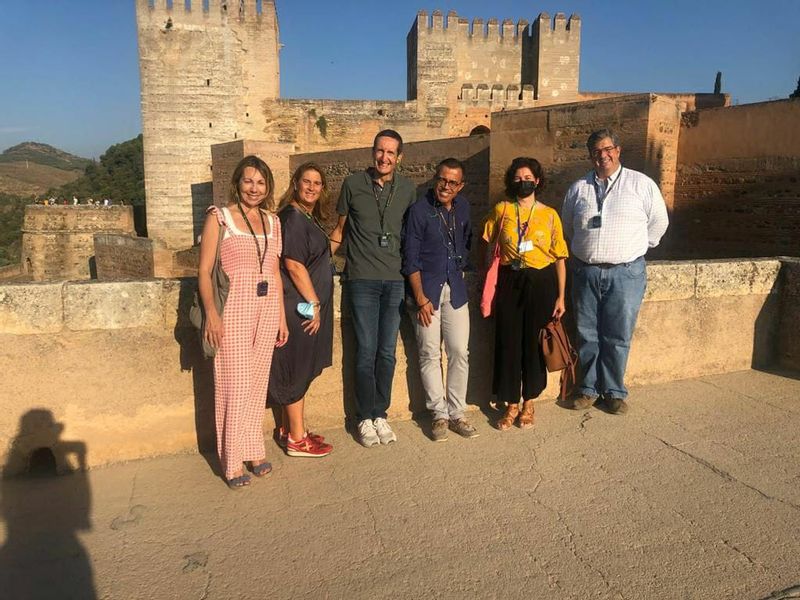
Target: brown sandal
[526, 416]
[508, 419]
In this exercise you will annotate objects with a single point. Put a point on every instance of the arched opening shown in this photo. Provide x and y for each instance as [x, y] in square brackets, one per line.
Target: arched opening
[480, 130]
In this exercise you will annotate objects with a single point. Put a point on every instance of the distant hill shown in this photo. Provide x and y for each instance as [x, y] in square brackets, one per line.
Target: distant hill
[31, 168]
[43, 154]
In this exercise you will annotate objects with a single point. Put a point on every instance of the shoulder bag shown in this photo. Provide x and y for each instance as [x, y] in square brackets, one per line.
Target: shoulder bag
[490, 282]
[558, 353]
[220, 284]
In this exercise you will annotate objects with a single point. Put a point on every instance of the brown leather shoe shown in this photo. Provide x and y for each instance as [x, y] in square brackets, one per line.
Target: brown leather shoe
[505, 423]
[615, 406]
[577, 402]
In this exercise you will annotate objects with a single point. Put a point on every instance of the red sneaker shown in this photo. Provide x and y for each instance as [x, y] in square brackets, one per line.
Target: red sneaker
[307, 447]
[281, 437]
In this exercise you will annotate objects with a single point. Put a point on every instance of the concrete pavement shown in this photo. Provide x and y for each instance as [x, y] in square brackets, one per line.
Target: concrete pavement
[694, 494]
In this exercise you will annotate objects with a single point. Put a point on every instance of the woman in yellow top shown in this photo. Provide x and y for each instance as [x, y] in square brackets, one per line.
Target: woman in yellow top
[530, 288]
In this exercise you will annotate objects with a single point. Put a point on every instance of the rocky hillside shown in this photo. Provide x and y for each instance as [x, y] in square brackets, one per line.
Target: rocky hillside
[31, 168]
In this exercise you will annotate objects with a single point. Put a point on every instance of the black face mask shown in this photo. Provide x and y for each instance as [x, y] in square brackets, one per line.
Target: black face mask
[523, 189]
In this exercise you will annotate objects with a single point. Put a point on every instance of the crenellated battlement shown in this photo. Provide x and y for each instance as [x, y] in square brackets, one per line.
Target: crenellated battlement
[496, 95]
[454, 24]
[175, 12]
[559, 24]
[445, 52]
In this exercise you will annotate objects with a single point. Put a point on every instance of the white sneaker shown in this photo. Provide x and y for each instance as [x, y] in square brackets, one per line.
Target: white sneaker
[385, 432]
[367, 434]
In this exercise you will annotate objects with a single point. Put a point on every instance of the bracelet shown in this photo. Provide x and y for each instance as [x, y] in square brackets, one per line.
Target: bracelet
[423, 304]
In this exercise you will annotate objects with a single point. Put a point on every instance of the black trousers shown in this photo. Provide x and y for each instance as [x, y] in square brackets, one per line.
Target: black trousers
[524, 303]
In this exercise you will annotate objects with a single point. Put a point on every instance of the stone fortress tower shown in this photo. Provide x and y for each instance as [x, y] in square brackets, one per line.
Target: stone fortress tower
[205, 70]
[210, 74]
[452, 61]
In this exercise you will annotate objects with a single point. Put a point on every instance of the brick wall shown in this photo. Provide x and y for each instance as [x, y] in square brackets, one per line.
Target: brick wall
[419, 164]
[738, 182]
[556, 136]
[123, 256]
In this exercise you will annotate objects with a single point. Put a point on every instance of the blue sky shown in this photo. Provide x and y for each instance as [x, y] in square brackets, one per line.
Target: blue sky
[70, 75]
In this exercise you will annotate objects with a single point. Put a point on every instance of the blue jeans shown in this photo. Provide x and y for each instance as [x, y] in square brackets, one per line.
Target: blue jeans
[606, 302]
[375, 307]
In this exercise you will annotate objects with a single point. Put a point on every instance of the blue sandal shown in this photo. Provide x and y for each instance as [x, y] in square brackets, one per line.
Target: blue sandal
[261, 469]
[239, 482]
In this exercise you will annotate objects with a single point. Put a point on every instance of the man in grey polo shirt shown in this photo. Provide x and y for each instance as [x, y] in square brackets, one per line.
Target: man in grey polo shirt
[371, 208]
[611, 217]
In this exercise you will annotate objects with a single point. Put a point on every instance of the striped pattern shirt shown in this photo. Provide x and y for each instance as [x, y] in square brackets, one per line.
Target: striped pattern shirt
[631, 213]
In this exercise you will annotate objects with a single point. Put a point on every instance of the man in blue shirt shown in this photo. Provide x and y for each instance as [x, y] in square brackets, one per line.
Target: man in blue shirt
[436, 239]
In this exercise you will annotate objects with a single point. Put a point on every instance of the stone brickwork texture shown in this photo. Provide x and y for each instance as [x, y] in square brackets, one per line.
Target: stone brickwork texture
[58, 241]
[210, 75]
[418, 163]
[738, 182]
[123, 256]
[646, 124]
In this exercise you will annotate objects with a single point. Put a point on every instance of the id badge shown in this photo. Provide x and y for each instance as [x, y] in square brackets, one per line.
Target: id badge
[595, 222]
[262, 288]
[383, 240]
[525, 246]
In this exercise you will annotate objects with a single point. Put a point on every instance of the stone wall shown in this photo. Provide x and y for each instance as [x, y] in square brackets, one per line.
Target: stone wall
[738, 189]
[556, 136]
[225, 157]
[204, 74]
[118, 365]
[418, 163]
[58, 241]
[123, 257]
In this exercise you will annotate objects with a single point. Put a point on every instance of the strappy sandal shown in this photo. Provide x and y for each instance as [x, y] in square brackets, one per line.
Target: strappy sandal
[237, 483]
[526, 416]
[261, 469]
[508, 419]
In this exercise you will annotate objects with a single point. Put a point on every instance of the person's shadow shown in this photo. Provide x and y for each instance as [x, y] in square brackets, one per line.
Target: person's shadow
[42, 557]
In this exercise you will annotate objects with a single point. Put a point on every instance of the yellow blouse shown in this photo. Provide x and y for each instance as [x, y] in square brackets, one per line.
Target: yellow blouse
[542, 242]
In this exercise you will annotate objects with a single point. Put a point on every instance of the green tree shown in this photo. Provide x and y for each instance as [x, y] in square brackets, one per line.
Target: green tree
[12, 209]
[796, 92]
[119, 175]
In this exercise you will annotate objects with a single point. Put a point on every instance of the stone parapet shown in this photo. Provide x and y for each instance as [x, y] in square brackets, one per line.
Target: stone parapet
[124, 371]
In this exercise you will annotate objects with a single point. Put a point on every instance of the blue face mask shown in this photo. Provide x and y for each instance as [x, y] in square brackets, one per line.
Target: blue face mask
[305, 309]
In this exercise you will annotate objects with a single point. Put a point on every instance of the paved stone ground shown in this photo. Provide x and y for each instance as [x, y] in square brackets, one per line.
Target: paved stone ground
[694, 494]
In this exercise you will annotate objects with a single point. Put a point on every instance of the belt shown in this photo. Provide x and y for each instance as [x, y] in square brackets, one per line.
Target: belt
[606, 265]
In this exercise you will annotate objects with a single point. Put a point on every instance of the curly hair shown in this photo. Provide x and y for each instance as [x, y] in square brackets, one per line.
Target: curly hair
[519, 163]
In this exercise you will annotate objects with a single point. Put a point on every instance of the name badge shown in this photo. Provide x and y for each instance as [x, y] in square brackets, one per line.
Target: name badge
[525, 246]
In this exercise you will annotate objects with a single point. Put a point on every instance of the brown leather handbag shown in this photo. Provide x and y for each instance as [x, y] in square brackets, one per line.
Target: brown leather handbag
[559, 355]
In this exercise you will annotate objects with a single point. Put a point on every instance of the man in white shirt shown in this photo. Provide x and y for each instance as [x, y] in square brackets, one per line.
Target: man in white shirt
[611, 217]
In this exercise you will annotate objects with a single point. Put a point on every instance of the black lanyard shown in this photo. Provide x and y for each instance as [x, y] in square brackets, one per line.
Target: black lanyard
[600, 199]
[261, 257]
[312, 218]
[521, 231]
[449, 228]
[377, 194]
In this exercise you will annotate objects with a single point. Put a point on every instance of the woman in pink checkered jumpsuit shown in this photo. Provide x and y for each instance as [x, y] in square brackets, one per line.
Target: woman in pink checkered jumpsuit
[253, 320]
